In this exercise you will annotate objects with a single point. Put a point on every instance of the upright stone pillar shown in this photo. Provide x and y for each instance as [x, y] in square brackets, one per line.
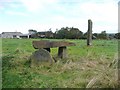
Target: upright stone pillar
[62, 52]
[89, 33]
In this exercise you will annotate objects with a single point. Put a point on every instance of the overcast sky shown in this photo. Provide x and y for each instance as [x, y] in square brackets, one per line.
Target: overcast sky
[41, 15]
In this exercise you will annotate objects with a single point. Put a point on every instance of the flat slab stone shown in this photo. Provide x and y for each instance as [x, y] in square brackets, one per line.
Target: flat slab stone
[51, 44]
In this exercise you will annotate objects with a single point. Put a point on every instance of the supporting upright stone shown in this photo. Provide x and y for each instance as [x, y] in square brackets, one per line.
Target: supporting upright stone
[89, 33]
[62, 52]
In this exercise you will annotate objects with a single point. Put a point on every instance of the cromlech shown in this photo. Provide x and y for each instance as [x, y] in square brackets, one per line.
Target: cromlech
[46, 44]
[89, 33]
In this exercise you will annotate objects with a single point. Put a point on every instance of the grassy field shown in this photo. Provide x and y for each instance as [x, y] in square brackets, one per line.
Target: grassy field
[85, 67]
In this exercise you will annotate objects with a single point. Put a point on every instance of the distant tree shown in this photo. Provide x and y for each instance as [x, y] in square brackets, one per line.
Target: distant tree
[84, 36]
[49, 34]
[111, 36]
[33, 33]
[95, 34]
[62, 33]
[117, 36]
[75, 33]
[102, 35]
[68, 33]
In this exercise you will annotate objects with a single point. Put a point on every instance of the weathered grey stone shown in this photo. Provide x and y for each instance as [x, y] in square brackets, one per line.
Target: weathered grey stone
[89, 36]
[62, 52]
[41, 55]
[51, 44]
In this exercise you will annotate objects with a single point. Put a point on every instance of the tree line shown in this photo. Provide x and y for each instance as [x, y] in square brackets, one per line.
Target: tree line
[71, 33]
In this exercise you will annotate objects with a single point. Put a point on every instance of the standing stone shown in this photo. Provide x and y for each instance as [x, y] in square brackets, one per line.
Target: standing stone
[39, 56]
[89, 33]
[62, 52]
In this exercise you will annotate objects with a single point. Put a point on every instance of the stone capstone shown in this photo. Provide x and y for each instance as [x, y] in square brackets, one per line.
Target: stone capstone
[51, 44]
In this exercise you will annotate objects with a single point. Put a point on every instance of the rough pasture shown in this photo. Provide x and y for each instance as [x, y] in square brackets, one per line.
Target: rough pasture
[86, 66]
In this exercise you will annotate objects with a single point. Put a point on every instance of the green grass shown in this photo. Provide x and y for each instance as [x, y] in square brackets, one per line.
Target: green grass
[85, 67]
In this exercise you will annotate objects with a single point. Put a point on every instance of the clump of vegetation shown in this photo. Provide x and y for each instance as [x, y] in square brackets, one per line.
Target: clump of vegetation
[85, 67]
